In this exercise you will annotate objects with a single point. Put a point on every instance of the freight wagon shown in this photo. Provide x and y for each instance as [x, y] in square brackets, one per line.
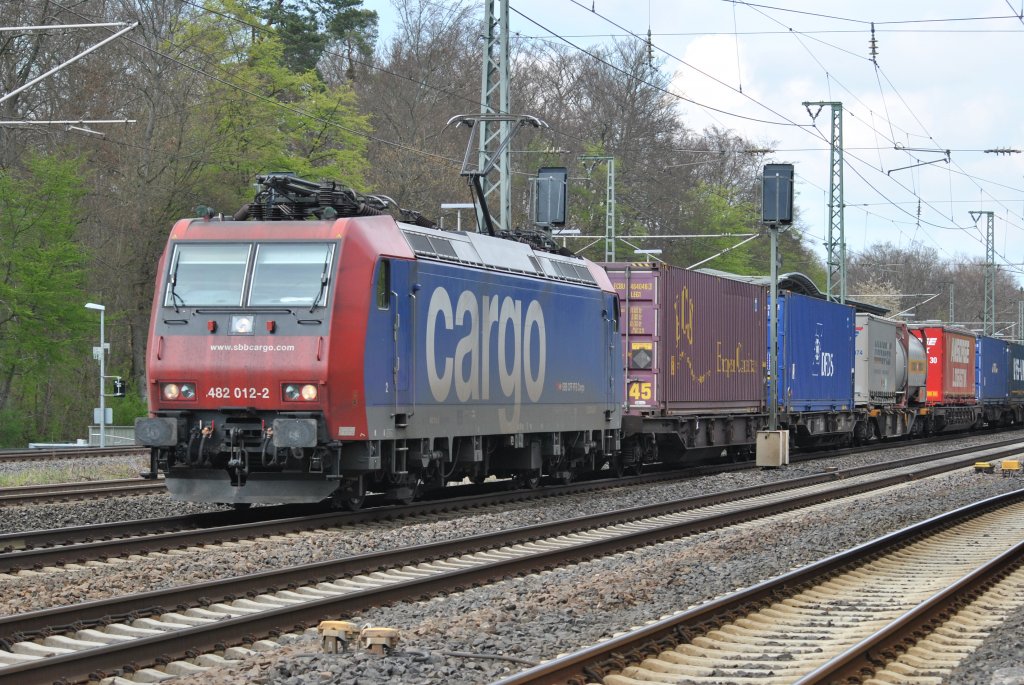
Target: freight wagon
[816, 352]
[889, 379]
[994, 373]
[950, 401]
[694, 357]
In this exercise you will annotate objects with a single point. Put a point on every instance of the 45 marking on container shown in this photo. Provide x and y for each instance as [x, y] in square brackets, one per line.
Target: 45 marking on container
[640, 392]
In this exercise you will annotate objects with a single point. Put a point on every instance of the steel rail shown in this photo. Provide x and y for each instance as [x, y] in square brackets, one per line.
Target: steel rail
[591, 664]
[863, 658]
[205, 638]
[73, 452]
[36, 494]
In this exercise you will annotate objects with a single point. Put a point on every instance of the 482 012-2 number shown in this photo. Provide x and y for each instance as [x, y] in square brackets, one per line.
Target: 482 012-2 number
[223, 393]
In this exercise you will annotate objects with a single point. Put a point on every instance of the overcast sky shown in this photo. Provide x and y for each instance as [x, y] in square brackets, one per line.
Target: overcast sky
[948, 77]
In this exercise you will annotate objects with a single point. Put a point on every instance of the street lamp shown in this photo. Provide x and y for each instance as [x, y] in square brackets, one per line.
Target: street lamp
[99, 353]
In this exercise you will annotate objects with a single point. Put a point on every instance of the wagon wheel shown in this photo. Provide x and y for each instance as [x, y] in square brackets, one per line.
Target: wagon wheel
[530, 480]
[616, 466]
[413, 494]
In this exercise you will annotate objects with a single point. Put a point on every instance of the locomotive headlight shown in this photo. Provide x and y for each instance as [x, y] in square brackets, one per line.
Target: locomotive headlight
[179, 391]
[243, 325]
[295, 392]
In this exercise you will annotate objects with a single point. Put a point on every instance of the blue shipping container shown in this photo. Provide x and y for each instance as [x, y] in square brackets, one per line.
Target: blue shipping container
[1016, 371]
[817, 344]
[991, 369]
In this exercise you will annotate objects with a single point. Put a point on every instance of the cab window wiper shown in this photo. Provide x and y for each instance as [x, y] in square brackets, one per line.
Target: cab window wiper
[323, 281]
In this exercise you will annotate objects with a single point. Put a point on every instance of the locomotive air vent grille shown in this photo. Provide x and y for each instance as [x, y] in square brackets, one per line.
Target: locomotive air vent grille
[566, 270]
[443, 248]
[466, 253]
[584, 273]
[420, 243]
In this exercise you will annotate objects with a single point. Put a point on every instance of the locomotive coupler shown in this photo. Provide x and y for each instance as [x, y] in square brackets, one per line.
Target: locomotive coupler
[238, 462]
[152, 474]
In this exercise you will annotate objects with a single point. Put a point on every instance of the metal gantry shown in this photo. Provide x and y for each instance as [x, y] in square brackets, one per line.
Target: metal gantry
[835, 240]
[494, 101]
[990, 268]
[609, 206]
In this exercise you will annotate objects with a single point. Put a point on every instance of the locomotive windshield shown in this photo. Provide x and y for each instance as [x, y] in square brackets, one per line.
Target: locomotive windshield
[205, 275]
[294, 275]
[282, 274]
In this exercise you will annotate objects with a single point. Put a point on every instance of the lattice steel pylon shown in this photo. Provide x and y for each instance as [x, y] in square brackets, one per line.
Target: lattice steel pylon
[609, 206]
[990, 269]
[835, 240]
[494, 101]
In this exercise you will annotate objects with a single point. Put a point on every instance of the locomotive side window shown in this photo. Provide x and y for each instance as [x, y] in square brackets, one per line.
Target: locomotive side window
[384, 285]
[291, 274]
[208, 274]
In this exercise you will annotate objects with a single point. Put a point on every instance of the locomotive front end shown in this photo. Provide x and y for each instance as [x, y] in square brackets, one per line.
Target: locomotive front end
[237, 361]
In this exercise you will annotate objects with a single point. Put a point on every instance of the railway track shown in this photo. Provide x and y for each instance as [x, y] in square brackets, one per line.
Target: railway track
[58, 453]
[100, 637]
[904, 608]
[64, 492]
[47, 549]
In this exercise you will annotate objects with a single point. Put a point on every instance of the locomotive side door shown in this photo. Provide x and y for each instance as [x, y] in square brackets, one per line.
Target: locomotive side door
[402, 329]
[395, 346]
[613, 358]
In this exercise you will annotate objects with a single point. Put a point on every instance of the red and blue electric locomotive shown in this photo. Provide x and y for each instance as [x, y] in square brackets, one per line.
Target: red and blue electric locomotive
[313, 347]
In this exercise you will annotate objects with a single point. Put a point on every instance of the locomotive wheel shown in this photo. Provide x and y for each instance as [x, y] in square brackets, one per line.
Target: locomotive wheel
[353, 502]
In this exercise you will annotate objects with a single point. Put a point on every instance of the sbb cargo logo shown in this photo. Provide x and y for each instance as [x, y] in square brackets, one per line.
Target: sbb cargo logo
[492, 324]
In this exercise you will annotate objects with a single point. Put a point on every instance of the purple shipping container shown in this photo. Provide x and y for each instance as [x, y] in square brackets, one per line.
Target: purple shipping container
[693, 343]
[1016, 371]
[817, 341]
[991, 369]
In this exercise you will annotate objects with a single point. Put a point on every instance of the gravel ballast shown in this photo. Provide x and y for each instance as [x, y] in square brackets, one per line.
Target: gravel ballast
[531, 618]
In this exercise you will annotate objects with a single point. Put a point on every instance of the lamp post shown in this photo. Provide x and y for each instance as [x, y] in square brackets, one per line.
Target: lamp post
[99, 353]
